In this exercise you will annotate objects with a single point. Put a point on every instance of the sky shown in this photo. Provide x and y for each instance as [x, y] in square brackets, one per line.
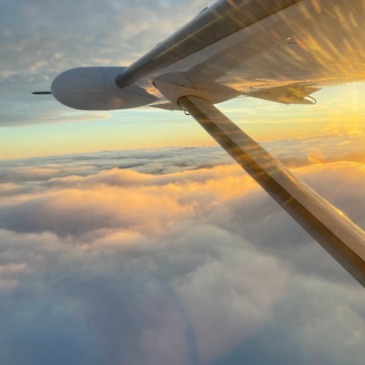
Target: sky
[40, 39]
[129, 237]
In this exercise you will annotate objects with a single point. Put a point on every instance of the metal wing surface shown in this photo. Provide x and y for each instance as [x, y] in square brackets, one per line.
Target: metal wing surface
[308, 43]
[219, 21]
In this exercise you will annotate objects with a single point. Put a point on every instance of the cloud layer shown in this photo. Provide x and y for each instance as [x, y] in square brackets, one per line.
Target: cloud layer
[158, 257]
[100, 264]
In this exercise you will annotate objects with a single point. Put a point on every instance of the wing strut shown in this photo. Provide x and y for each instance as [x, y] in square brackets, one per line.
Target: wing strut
[337, 234]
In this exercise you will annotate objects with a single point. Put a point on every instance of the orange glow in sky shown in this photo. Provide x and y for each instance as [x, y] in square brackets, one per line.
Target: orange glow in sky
[339, 110]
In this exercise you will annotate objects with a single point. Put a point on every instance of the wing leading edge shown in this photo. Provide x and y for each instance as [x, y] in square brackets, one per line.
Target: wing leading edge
[214, 23]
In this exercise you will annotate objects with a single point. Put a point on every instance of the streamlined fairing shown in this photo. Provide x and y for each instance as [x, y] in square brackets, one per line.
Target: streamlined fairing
[276, 50]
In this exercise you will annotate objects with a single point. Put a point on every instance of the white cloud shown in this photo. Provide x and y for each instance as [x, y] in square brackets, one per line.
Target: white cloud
[120, 266]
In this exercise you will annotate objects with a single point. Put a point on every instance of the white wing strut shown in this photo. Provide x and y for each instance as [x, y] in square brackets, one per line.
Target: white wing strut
[337, 234]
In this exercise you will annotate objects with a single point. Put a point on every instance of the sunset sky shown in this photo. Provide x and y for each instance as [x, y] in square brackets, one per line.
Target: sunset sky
[129, 237]
[38, 43]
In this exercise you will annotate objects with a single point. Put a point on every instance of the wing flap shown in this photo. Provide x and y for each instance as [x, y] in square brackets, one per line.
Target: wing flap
[285, 94]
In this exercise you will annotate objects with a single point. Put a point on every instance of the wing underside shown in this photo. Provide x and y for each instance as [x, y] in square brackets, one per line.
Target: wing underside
[221, 20]
[309, 43]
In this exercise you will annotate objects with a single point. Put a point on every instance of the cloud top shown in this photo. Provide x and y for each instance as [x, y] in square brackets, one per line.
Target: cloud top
[112, 265]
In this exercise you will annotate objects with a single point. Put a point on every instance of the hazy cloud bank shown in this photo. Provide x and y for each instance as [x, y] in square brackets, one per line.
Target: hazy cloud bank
[193, 266]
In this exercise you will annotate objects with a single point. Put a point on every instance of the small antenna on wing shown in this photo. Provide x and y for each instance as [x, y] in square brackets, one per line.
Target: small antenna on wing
[42, 92]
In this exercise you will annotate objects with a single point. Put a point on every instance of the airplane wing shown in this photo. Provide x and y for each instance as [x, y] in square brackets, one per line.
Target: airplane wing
[277, 50]
[312, 43]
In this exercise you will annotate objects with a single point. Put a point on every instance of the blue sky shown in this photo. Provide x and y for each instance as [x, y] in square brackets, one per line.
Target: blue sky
[40, 39]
